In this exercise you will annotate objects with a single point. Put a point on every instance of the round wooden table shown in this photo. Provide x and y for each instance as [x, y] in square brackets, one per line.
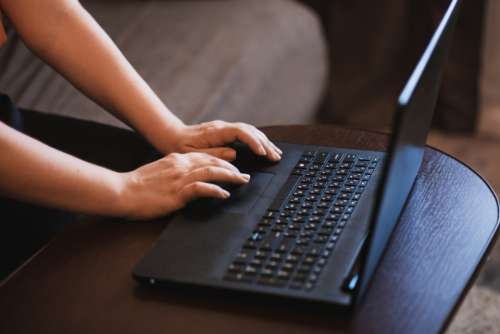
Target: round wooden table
[81, 282]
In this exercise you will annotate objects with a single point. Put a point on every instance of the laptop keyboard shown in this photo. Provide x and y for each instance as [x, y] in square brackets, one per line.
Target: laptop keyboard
[293, 241]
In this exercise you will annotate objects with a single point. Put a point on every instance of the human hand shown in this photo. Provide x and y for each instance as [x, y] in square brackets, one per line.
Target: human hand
[211, 138]
[166, 185]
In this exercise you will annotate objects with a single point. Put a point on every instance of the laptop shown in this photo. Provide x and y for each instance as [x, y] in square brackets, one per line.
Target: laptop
[314, 226]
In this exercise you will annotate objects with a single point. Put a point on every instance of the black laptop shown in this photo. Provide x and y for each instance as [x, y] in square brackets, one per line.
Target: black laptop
[314, 226]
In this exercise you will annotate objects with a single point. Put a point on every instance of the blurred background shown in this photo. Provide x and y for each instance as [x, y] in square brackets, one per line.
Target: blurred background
[299, 61]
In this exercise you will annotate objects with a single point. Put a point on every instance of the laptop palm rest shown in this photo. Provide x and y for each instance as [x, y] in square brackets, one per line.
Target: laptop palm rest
[242, 200]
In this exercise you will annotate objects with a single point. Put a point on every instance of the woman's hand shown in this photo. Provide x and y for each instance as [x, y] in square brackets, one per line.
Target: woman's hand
[166, 185]
[211, 138]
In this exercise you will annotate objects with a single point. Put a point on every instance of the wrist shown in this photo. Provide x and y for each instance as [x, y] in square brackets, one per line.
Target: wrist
[120, 204]
[170, 137]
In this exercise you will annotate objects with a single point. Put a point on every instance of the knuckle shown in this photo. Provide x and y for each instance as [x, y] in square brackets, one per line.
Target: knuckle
[217, 161]
[218, 124]
[245, 126]
[210, 172]
[176, 173]
[195, 157]
[195, 188]
[174, 156]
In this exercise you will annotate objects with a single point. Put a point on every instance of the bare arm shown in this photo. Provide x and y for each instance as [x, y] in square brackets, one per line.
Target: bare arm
[34, 172]
[64, 34]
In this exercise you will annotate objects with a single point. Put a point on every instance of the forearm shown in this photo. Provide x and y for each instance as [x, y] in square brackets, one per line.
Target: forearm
[63, 34]
[34, 172]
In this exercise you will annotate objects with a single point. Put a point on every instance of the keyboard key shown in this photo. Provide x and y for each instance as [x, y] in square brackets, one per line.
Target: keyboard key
[250, 244]
[298, 251]
[288, 267]
[314, 218]
[314, 251]
[311, 198]
[336, 157]
[329, 246]
[272, 265]
[277, 257]
[319, 212]
[270, 214]
[313, 278]
[257, 263]
[242, 258]
[250, 270]
[301, 165]
[260, 254]
[299, 193]
[283, 275]
[284, 247]
[304, 269]
[321, 262]
[321, 239]
[333, 216]
[302, 242]
[266, 272]
[292, 258]
[234, 268]
[315, 192]
[300, 277]
[271, 281]
[349, 158]
[326, 231]
[265, 222]
[239, 277]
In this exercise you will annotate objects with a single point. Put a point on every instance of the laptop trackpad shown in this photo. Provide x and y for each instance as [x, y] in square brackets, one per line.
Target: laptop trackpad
[242, 199]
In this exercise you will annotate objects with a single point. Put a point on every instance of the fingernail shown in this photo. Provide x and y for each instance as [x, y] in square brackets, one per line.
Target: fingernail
[229, 155]
[226, 194]
[279, 150]
[262, 151]
[245, 176]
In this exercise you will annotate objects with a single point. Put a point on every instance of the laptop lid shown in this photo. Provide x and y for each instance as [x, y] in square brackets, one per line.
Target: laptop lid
[411, 124]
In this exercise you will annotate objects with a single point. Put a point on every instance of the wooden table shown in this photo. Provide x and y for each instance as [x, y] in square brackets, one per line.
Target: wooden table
[81, 282]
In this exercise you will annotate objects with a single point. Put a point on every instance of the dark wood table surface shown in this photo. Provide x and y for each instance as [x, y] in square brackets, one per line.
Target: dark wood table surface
[81, 282]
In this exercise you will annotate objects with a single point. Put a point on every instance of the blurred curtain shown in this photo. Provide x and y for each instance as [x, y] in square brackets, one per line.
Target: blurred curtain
[375, 45]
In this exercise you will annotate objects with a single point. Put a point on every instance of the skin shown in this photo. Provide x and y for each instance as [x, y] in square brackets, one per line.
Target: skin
[63, 34]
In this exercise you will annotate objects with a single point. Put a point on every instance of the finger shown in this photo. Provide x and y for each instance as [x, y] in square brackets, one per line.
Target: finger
[242, 132]
[270, 142]
[272, 154]
[202, 189]
[223, 153]
[216, 174]
[201, 159]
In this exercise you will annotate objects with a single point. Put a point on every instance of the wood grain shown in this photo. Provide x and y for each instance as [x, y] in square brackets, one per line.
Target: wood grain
[81, 282]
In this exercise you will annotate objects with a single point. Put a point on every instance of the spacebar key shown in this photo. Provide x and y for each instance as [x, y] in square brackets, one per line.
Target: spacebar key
[284, 192]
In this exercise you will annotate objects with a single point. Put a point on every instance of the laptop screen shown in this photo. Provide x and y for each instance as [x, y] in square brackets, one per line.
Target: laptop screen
[411, 124]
